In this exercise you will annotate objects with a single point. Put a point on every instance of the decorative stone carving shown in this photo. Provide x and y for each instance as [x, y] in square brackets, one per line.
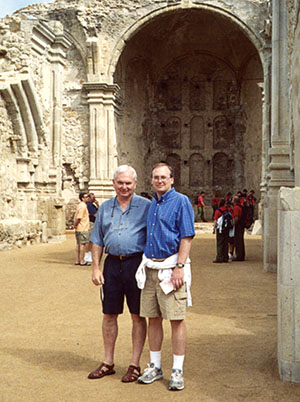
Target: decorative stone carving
[197, 133]
[172, 133]
[197, 169]
[222, 133]
[225, 94]
[197, 94]
[223, 171]
[170, 89]
[175, 161]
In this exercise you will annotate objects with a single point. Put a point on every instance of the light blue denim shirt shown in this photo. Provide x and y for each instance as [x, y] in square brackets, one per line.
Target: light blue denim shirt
[121, 232]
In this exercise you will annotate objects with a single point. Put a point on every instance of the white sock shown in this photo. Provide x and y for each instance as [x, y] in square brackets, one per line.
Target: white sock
[155, 357]
[178, 362]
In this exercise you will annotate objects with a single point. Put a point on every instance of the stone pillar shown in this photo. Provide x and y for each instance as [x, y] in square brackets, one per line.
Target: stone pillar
[57, 58]
[279, 154]
[102, 100]
[289, 284]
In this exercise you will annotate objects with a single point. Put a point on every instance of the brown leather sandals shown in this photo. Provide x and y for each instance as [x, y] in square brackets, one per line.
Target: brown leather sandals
[103, 370]
[132, 374]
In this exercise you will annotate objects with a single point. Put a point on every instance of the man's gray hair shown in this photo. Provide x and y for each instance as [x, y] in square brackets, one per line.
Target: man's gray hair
[124, 168]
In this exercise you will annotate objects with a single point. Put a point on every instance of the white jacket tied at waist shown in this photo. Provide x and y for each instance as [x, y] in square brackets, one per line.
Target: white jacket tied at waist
[165, 272]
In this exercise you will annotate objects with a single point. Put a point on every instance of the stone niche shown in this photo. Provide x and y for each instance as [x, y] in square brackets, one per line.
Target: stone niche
[186, 101]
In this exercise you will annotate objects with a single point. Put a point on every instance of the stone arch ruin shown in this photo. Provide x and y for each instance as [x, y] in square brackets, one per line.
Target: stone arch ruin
[86, 85]
[191, 98]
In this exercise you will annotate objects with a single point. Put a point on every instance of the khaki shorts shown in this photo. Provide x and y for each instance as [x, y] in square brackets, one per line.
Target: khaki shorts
[92, 224]
[82, 237]
[155, 303]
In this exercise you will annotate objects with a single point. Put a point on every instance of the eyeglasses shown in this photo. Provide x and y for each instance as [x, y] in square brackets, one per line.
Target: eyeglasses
[162, 178]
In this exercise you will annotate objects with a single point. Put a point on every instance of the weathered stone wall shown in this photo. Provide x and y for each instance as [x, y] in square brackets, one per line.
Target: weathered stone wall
[75, 143]
[44, 128]
[46, 124]
[198, 109]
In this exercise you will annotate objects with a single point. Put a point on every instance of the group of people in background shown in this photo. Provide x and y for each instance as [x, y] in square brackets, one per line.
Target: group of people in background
[84, 220]
[232, 215]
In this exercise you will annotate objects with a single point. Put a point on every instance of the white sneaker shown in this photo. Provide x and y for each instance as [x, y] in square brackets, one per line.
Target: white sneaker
[151, 374]
[176, 381]
[88, 257]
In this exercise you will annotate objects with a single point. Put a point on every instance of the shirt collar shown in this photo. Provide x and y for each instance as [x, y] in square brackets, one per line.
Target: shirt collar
[165, 196]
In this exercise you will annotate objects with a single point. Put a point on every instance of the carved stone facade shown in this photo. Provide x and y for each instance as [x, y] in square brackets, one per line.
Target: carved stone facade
[86, 86]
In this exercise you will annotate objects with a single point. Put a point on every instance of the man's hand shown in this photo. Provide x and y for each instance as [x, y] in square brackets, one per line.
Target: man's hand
[97, 276]
[177, 277]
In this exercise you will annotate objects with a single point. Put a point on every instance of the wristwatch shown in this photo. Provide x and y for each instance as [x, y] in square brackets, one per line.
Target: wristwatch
[179, 265]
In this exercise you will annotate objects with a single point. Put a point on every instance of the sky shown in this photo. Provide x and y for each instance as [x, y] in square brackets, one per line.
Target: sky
[9, 6]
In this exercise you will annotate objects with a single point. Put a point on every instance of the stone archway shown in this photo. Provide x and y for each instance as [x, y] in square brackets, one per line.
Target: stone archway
[188, 80]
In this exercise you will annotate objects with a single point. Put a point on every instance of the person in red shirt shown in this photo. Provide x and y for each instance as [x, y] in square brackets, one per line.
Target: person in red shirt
[200, 207]
[215, 203]
[239, 230]
[229, 207]
[222, 234]
[251, 203]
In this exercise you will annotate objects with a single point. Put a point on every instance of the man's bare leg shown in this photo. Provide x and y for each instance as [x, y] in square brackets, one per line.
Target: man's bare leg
[155, 334]
[139, 329]
[110, 334]
[178, 337]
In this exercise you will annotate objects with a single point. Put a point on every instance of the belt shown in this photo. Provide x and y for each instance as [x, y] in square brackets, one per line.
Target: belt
[158, 259]
[123, 257]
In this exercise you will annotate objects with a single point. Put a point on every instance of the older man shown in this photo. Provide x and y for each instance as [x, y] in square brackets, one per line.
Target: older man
[120, 228]
[164, 274]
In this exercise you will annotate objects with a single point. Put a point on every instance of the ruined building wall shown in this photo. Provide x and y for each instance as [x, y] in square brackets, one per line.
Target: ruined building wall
[195, 103]
[61, 60]
[44, 130]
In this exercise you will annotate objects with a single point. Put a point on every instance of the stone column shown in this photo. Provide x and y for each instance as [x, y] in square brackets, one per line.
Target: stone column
[289, 284]
[102, 100]
[279, 154]
[57, 57]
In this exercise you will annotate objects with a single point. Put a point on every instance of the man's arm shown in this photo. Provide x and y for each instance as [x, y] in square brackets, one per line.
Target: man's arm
[183, 253]
[97, 276]
[76, 223]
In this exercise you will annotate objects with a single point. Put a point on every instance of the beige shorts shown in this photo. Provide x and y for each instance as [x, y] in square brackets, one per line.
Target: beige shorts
[82, 237]
[92, 224]
[155, 303]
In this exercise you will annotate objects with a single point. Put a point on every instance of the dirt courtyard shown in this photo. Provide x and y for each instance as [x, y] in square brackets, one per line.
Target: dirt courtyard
[50, 335]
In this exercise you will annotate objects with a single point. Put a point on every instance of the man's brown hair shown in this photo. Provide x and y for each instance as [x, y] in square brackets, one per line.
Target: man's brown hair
[159, 164]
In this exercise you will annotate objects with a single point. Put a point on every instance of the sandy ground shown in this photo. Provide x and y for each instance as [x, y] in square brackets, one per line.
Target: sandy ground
[50, 331]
